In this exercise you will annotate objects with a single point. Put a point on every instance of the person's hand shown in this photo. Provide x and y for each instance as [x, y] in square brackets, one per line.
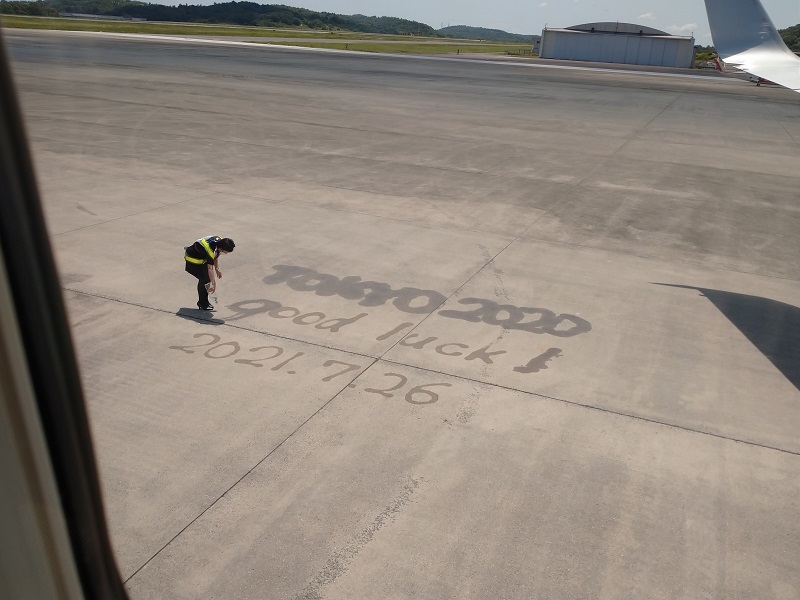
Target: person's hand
[219, 273]
[212, 288]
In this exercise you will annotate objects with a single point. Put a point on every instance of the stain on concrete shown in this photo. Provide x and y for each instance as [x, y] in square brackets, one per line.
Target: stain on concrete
[86, 210]
[70, 278]
[338, 564]
[467, 409]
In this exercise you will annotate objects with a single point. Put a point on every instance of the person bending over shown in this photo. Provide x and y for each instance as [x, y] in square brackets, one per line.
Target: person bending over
[202, 262]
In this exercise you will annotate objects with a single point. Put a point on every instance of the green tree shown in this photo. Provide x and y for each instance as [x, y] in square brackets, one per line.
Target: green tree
[791, 37]
[35, 9]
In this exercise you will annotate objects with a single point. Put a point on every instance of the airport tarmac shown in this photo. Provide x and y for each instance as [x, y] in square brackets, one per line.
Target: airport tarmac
[489, 330]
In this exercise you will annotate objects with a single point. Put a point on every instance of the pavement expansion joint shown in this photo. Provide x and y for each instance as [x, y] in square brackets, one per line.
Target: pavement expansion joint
[376, 359]
[489, 260]
[193, 199]
[216, 322]
[251, 469]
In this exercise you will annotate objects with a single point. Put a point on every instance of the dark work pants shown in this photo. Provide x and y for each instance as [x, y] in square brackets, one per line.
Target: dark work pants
[201, 272]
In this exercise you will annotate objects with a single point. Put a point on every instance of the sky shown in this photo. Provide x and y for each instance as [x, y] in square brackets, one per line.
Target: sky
[679, 17]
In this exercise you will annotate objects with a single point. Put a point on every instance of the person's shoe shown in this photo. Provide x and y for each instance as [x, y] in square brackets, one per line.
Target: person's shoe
[206, 307]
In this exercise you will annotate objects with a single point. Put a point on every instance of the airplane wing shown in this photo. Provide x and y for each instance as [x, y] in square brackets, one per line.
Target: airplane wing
[745, 38]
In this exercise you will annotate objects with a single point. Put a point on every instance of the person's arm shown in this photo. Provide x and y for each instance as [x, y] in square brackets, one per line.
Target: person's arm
[212, 280]
[216, 267]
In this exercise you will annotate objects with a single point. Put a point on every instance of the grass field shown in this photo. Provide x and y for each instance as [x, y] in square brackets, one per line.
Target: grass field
[339, 40]
[412, 48]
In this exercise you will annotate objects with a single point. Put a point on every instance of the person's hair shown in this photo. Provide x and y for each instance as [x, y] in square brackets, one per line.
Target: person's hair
[226, 244]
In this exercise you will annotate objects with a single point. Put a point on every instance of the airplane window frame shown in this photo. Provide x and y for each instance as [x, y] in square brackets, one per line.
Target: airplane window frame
[42, 321]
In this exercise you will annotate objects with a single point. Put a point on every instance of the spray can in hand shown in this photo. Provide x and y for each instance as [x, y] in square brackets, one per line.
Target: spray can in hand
[213, 298]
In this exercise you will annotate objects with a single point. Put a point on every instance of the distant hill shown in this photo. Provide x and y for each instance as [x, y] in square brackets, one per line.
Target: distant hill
[278, 15]
[481, 33]
[234, 13]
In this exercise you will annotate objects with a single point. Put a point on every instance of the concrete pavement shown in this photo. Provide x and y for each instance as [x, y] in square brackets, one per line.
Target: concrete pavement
[489, 331]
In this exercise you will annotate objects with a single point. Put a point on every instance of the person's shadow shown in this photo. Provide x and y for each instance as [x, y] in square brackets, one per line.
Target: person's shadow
[199, 316]
[772, 326]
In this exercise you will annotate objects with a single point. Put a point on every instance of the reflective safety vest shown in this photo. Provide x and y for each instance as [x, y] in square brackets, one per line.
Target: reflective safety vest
[204, 243]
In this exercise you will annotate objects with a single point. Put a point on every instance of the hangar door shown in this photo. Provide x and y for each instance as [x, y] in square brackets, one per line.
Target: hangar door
[663, 51]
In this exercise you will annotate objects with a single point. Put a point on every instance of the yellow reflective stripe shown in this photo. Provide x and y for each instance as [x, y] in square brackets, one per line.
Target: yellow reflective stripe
[205, 245]
[197, 261]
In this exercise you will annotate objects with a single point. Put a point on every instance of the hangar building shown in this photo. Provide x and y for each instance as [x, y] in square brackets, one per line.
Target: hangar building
[618, 43]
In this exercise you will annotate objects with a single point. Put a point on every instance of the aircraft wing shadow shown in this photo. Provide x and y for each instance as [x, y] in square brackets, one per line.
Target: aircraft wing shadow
[772, 326]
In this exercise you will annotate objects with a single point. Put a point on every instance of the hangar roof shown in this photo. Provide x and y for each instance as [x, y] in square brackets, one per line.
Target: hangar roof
[619, 29]
[608, 27]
